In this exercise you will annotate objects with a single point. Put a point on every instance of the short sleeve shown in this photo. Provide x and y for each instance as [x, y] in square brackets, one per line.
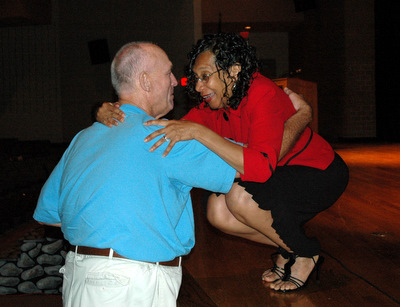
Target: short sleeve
[194, 165]
[48, 204]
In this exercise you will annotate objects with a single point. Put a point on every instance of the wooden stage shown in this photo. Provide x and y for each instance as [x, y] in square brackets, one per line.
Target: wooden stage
[360, 237]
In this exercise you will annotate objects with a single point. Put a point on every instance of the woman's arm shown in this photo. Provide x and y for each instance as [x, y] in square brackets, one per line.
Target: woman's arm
[109, 114]
[183, 130]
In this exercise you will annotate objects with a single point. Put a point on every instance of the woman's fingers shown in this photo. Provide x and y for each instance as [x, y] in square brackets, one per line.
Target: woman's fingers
[159, 122]
[157, 144]
[109, 114]
[153, 135]
[174, 131]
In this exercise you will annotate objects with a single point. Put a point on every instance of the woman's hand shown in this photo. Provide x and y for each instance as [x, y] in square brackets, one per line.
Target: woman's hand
[174, 131]
[109, 114]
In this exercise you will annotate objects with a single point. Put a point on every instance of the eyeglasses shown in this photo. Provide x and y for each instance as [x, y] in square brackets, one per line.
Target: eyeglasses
[204, 78]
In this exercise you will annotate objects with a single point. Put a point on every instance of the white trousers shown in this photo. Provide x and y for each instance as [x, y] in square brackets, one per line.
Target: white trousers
[100, 281]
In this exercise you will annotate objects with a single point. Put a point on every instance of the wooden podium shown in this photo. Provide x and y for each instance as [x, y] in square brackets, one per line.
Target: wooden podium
[309, 91]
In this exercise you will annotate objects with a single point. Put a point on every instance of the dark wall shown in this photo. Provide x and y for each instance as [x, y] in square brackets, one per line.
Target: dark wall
[49, 79]
[168, 24]
[387, 25]
[50, 83]
[317, 47]
[334, 47]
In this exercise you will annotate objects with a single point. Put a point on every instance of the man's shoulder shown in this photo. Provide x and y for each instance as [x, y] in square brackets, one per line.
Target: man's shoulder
[261, 91]
[135, 118]
[262, 85]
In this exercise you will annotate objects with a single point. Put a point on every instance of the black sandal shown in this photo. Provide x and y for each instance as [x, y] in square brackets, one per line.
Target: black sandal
[297, 282]
[276, 269]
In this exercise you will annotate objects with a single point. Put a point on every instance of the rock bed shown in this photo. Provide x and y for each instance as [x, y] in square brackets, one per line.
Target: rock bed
[36, 270]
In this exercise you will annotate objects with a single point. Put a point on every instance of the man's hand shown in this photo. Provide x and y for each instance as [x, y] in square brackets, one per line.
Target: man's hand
[296, 124]
[109, 114]
[298, 102]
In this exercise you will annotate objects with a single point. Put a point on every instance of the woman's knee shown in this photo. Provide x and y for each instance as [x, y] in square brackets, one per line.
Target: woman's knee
[220, 217]
[217, 211]
[239, 201]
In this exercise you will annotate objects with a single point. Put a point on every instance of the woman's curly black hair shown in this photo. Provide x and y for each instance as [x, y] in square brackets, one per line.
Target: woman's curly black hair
[229, 49]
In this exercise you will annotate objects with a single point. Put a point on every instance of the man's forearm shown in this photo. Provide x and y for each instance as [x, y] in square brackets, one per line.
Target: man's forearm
[47, 224]
[294, 127]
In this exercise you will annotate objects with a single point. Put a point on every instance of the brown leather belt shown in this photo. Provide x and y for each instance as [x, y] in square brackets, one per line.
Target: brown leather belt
[84, 250]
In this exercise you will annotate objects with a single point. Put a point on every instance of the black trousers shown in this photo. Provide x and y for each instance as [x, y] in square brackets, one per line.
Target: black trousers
[294, 195]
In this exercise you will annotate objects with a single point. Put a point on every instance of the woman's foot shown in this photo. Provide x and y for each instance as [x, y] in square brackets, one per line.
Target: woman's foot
[298, 275]
[277, 272]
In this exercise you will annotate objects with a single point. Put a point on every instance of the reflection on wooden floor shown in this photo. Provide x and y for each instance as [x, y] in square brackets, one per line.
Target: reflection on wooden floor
[360, 237]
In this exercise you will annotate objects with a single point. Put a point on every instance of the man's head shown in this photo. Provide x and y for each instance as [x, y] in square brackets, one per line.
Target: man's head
[141, 75]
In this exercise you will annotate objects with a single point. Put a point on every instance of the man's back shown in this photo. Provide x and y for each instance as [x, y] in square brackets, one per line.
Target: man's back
[115, 193]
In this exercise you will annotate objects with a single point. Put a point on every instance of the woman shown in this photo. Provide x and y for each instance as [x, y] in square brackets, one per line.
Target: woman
[274, 197]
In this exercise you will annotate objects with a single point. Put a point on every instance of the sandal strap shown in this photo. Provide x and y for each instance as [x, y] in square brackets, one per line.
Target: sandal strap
[297, 282]
[282, 272]
[288, 266]
[278, 271]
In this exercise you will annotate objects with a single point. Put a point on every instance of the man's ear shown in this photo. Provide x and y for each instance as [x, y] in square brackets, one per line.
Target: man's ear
[234, 70]
[144, 81]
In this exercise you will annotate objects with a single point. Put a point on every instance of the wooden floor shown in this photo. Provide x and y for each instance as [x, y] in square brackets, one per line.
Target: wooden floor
[360, 237]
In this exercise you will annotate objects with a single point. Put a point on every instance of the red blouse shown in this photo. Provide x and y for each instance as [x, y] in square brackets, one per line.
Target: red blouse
[259, 123]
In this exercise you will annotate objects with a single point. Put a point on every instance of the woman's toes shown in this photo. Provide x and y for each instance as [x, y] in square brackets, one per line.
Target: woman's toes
[282, 286]
[275, 285]
[269, 276]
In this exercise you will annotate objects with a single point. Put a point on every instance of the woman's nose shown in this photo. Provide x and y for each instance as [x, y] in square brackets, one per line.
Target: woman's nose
[199, 85]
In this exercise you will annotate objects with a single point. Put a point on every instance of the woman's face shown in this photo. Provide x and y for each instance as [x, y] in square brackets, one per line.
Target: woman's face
[211, 81]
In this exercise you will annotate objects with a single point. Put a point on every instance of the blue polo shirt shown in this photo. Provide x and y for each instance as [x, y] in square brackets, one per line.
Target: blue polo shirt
[110, 191]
